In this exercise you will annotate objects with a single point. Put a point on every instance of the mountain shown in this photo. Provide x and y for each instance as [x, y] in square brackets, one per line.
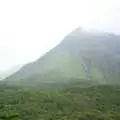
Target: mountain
[80, 56]
[4, 74]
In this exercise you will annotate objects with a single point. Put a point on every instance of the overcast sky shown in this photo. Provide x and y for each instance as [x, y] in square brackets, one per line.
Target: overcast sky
[29, 28]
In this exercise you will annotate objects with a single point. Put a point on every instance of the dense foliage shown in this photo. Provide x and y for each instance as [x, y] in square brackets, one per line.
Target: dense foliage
[92, 103]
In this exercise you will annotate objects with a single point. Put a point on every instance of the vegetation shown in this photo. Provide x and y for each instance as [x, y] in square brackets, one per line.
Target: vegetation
[77, 80]
[81, 55]
[91, 103]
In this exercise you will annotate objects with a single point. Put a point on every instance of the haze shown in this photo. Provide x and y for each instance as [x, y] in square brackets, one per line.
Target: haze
[29, 28]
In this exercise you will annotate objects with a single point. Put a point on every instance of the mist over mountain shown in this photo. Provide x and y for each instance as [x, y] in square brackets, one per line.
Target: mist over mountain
[6, 73]
[81, 55]
[78, 79]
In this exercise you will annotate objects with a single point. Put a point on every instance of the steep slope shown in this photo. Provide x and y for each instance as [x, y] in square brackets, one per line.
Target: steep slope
[81, 55]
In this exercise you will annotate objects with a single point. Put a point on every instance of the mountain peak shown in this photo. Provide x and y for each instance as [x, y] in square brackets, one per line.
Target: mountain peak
[80, 56]
[77, 31]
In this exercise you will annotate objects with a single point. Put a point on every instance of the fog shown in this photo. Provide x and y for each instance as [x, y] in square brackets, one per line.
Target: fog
[29, 28]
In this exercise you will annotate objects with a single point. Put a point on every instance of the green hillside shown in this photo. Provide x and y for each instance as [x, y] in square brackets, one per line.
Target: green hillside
[92, 103]
[79, 79]
[81, 55]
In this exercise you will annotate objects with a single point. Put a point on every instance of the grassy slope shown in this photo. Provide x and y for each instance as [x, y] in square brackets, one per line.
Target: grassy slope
[60, 68]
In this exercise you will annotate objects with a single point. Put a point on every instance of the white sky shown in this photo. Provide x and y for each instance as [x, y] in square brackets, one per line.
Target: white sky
[29, 28]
